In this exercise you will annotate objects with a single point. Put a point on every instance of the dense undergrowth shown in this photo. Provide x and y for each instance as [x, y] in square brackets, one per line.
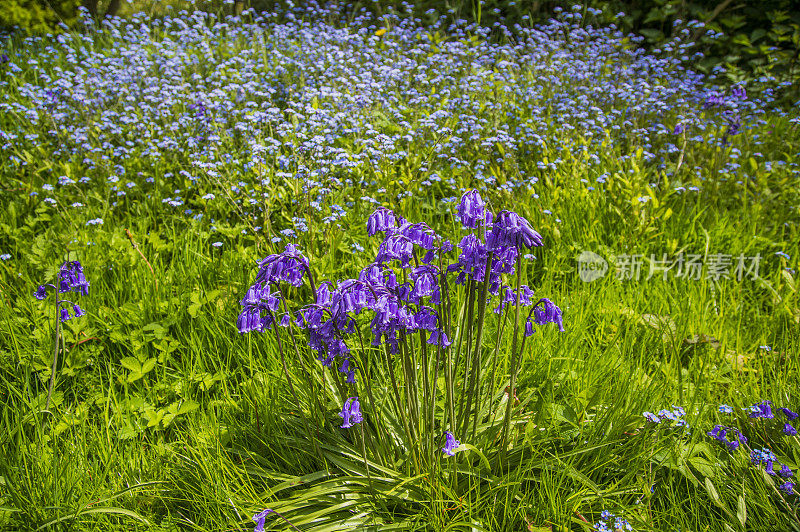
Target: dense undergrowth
[169, 157]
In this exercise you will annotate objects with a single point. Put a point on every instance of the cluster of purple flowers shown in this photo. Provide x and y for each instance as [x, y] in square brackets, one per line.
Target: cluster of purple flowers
[763, 410]
[70, 279]
[609, 522]
[401, 305]
[731, 437]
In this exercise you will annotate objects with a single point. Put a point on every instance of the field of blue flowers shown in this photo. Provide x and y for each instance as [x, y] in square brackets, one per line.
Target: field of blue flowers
[297, 272]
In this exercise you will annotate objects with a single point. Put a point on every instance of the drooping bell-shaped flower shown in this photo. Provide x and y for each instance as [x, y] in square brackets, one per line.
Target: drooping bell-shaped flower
[548, 312]
[259, 519]
[381, 220]
[511, 229]
[351, 413]
[41, 293]
[450, 445]
[471, 209]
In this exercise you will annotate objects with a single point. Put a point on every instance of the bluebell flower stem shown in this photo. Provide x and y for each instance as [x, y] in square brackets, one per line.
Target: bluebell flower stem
[365, 372]
[475, 389]
[426, 391]
[294, 394]
[448, 376]
[410, 386]
[496, 362]
[467, 330]
[514, 360]
[56, 341]
[390, 365]
[432, 406]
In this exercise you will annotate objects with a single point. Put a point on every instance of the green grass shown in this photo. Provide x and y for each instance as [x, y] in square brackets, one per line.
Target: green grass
[210, 435]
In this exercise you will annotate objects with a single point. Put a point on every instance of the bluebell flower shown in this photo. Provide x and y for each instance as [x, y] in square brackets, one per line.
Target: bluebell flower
[382, 220]
[548, 313]
[787, 488]
[762, 410]
[731, 437]
[789, 430]
[351, 413]
[511, 229]
[471, 209]
[451, 443]
[259, 519]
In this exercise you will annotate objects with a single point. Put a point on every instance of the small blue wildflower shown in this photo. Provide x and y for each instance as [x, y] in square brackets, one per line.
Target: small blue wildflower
[651, 417]
[622, 524]
[725, 409]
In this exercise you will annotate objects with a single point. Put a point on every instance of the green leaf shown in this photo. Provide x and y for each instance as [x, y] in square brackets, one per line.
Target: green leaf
[148, 365]
[712, 492]
[741, 510]
[131, 364]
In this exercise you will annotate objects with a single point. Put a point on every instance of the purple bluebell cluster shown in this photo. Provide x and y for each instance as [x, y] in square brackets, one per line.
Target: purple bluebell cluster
[407, 292]
[763, 410]
[767, 459]
[70, 279]
[731, 437]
